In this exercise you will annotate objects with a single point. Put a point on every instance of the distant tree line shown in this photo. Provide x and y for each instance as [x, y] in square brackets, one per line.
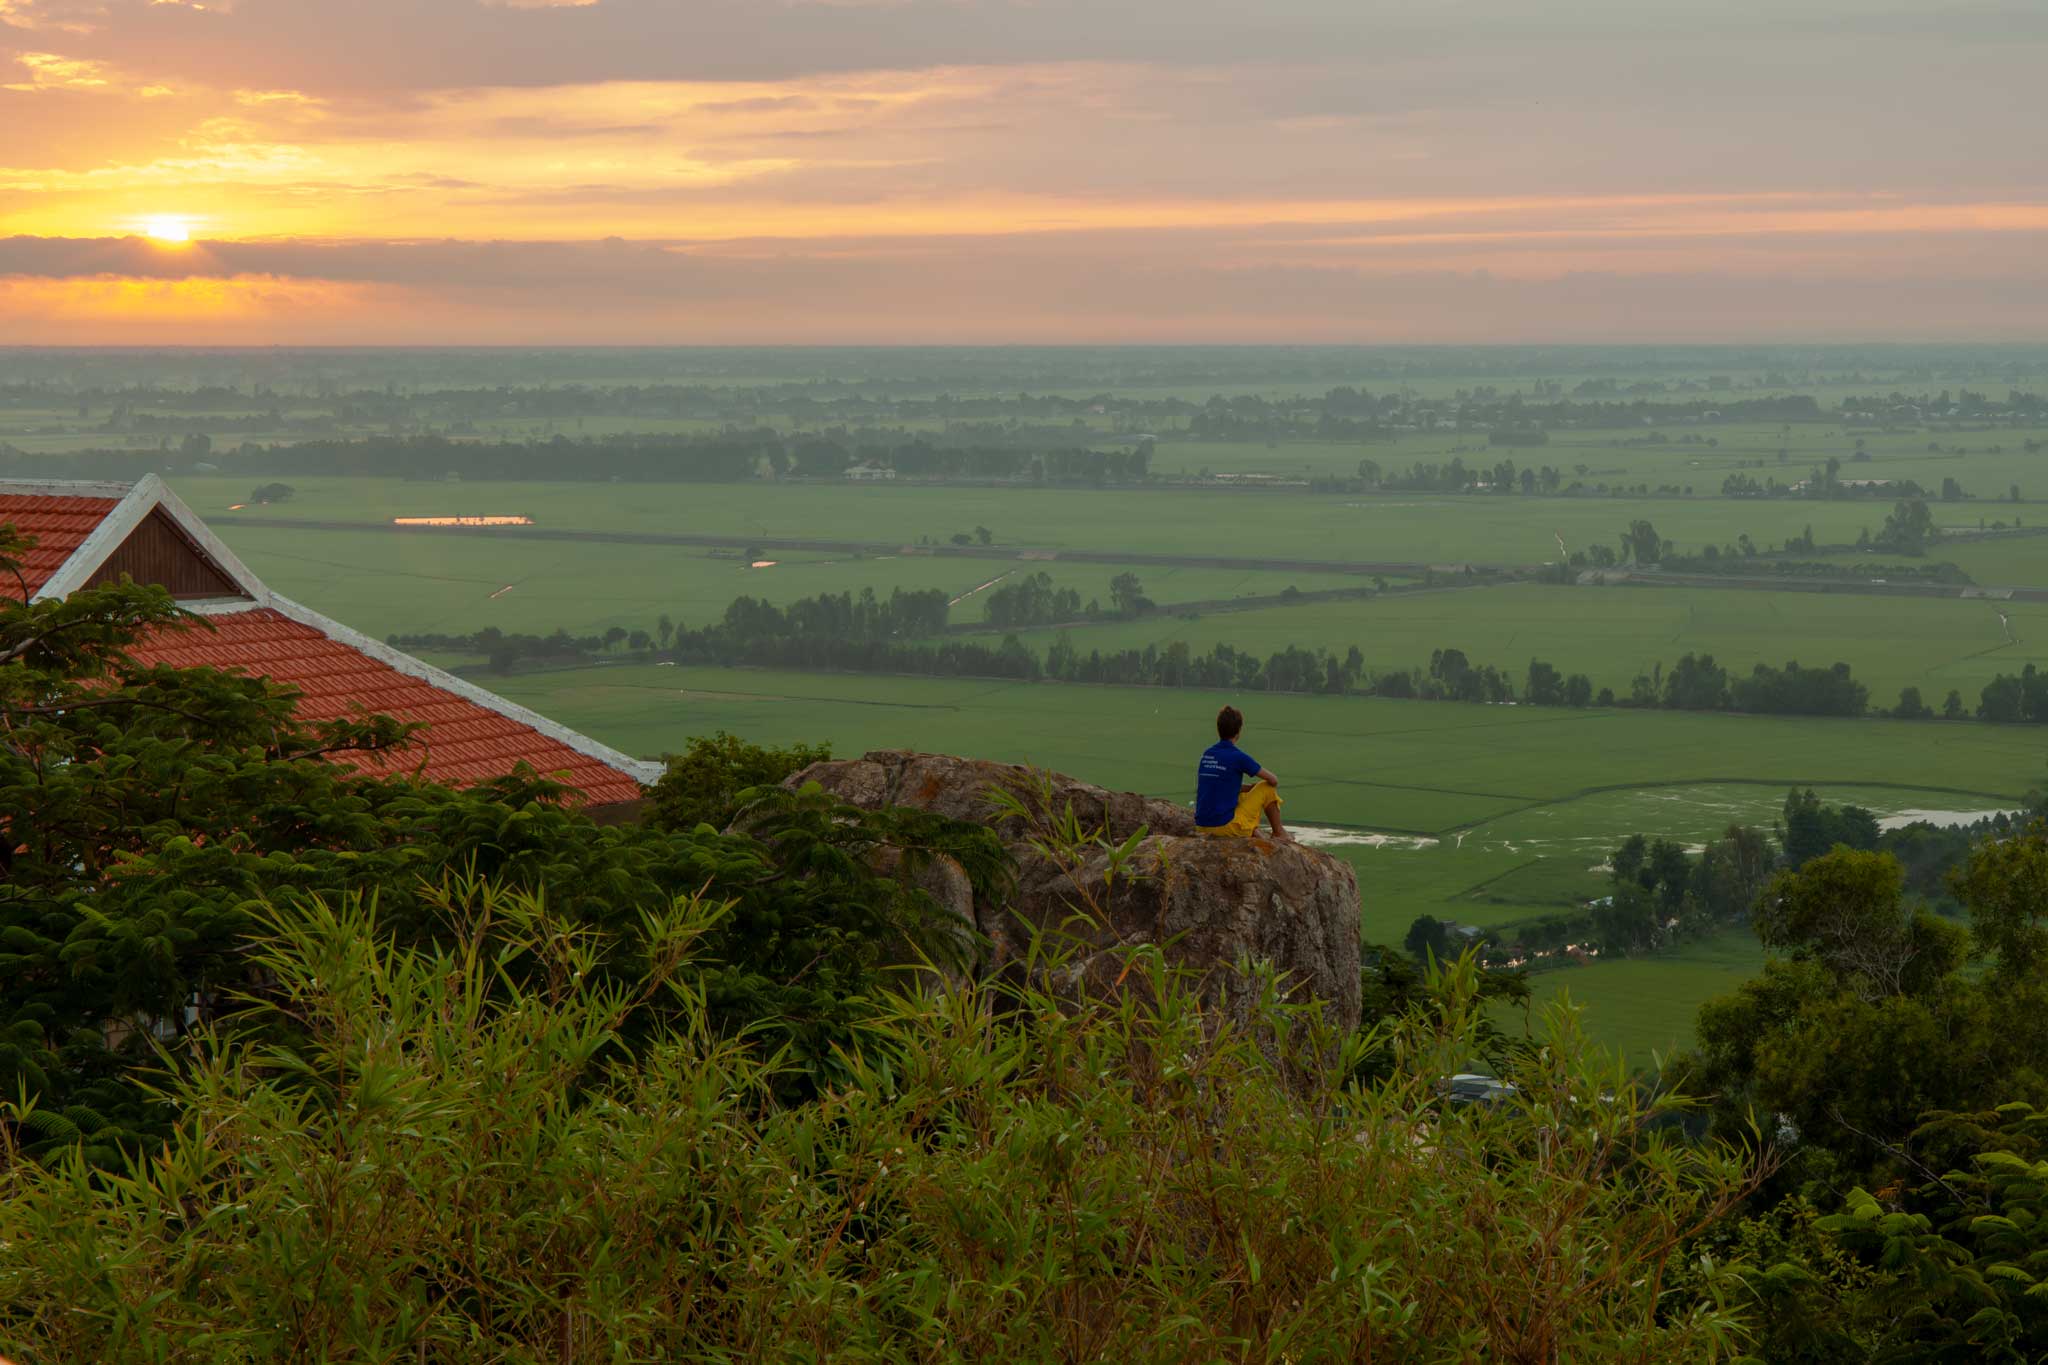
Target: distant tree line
[867, 633]
[726, 457]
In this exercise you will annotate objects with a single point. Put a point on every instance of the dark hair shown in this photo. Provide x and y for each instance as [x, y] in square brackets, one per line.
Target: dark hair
[1229, 723]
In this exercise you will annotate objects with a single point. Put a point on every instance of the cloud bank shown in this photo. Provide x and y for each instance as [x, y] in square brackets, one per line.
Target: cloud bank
[877, 170]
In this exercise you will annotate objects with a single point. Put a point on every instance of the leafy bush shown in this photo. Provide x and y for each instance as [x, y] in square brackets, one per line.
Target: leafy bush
[446, 1161]
[702, 785]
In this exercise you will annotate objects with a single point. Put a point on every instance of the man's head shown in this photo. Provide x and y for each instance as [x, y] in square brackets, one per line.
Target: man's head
[1229, 723]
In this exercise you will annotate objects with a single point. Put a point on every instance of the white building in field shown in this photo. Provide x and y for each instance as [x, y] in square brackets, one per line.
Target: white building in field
[870, 473]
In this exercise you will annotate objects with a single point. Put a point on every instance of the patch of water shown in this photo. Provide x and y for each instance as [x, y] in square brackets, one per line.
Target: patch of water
[1944, 819]
[1318, 836]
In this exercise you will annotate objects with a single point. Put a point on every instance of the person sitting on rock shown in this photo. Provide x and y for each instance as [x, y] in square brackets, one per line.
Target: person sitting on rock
[1224, 805]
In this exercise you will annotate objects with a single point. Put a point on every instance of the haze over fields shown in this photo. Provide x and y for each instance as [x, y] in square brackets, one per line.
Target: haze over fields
[636, 171]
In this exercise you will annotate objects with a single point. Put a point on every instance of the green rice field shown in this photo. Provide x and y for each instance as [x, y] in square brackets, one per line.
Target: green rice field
[1426, 529]
[443, 583]
[1611, 634]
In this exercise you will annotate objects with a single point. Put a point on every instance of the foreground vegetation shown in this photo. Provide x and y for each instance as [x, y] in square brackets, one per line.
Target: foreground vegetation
[249, 1001]
[999, 1180]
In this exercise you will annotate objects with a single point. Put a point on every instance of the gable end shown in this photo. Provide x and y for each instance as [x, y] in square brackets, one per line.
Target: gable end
[158, 551]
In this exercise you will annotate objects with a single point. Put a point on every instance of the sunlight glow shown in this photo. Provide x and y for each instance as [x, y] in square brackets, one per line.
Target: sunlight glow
[165, 228]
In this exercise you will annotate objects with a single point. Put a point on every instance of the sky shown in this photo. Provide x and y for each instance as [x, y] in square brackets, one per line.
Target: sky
[533, 172]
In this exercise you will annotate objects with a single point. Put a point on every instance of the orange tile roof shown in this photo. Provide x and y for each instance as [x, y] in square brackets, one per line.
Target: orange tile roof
[463, 742]
[58, 525]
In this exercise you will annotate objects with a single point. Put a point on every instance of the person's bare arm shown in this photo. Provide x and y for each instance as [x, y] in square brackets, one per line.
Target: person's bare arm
[1266, 775]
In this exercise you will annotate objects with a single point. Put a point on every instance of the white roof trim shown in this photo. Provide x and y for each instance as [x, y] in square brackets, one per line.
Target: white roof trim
[148, 495]
[65, 488]
[640, 770]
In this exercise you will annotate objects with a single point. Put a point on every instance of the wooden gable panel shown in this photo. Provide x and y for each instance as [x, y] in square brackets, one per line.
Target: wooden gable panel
[158, 552]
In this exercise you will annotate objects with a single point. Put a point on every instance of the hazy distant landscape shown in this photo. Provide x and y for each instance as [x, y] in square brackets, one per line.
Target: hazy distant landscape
[1218, 478]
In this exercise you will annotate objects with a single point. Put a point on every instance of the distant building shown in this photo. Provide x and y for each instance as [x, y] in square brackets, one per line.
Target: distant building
[88, 534]
[869, 473]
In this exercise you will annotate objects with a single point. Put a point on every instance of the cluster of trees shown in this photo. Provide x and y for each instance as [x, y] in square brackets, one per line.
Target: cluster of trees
[1660, 893]
[1031, 600]
[1455, 476]
[1034, 600]
[1893, 1059]
[2016, 699]
[1697, 683]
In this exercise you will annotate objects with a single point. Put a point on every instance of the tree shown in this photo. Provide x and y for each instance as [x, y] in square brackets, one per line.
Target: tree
[1544, 686]
[1911, 707]
[2002, 700]
[1127, 595]
[1426, 939]
[266, 494]
[1578, 690]
[1908, 529]
[1871, 1021]
[1696, 683]
[984, 535]
[1809, 829]
[1626, 863]
[2005, 884]
[1845, 910]
[1952, 705]
[962, 538]
[1642, 543]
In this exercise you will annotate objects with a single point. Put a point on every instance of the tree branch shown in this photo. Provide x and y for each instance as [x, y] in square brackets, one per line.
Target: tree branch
[1899, 1152]
[93, 704]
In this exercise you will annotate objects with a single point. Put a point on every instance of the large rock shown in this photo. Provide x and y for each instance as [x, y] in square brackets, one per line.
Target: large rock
[959, 788]
[1212, 904]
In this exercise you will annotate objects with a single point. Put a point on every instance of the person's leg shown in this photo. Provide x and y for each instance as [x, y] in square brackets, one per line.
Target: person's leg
[1273, 814]
[1259, 800]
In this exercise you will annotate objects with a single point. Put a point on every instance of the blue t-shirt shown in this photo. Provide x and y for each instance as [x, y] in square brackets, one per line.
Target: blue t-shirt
[1218, 782]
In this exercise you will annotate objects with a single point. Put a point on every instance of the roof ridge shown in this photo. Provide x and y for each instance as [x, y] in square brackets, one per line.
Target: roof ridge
[66, 488]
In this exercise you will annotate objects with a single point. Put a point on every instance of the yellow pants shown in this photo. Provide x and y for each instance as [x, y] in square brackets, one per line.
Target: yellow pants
[1252, 805]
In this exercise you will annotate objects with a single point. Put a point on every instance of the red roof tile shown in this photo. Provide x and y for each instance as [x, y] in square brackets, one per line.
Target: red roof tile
[58, 525]
[462, 744]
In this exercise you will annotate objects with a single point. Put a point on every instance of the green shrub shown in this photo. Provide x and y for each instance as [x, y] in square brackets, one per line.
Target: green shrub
[441, 1160]
[704, 783]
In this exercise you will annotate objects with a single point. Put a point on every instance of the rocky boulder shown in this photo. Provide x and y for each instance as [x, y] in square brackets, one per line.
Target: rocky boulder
[1211, 903]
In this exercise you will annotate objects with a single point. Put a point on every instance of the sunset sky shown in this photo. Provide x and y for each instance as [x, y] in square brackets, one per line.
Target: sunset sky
[703, 171]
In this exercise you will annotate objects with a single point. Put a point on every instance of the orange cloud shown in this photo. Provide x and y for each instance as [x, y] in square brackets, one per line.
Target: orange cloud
[48, 71]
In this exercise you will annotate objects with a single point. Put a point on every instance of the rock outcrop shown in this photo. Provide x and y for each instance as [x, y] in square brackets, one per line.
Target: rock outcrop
[1211, 904]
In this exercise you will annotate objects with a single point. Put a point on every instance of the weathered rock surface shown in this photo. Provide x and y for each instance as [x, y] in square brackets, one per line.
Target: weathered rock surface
[959, 788]
[1211, 904]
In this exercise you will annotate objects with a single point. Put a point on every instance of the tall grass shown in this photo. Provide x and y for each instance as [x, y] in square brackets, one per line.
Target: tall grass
[453, 1166]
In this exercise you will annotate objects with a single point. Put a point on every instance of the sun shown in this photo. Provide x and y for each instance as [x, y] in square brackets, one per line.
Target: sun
[166, 228]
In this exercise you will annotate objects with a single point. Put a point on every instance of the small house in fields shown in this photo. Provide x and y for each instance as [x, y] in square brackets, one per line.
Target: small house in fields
[88, 534]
